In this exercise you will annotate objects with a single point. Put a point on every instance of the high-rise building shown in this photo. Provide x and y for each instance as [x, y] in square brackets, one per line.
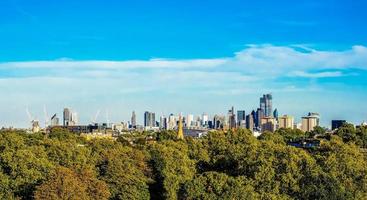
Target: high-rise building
[286, 121]
[231, 118]
[149, 119]
[54, 120]
[275, 114]
[190, 120]
[74, 118]
[250, 122]
[335, 124]
[257, 117]
[309, 123]
[133, 120]
[205, 119]
[266, 104]
[172, 122]
[268, 124]
[241, 118]
[66, 117]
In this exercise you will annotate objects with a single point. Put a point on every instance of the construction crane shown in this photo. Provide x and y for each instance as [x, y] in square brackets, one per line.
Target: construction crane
[94, 119]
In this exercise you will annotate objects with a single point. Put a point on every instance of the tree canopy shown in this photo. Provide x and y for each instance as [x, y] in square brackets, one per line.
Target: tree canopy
[221, 165]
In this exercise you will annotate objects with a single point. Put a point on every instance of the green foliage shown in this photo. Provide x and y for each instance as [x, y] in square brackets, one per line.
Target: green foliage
[214, 185]
[64, 183]
[221, 165]
[172, 166]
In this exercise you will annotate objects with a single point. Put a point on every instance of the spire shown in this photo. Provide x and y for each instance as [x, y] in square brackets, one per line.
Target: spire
[180, 134]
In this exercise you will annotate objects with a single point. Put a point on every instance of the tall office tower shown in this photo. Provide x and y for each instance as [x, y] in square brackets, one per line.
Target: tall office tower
[54, 120]
[250, 122]
[268, 124]
[171, 122]
[67, 117]
[74, 118]
[133, 120]
[189, 121]
[205, 120]
[152, 119]
[180, 134]
[258, 116]
[266, 104]
[231, 118]
[147, 119]
[335, 124]
[309, 122]
[275, 114]
[286, 121]
[241, 118]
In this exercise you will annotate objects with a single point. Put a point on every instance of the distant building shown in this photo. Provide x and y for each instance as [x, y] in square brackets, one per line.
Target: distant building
[335, 124]
[257, 117]
[286, 121]
[133, 120]
[241, 118]
[266, 104]
[66, 117]
[219, 122]
[268, 124]
[149, 119]
[189, 120]
[172, 122]
[310, 122]
[70, 118]
[250, 122]
[275, 114]
[205, 120]
[231, 118]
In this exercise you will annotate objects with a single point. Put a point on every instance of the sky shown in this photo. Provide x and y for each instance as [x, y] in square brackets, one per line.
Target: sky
[181, 56]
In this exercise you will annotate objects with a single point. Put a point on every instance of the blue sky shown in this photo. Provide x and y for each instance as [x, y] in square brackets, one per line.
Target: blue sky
[182, 56]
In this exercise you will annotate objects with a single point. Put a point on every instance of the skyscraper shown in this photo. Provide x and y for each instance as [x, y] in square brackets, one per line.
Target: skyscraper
[205, 119]
[231, 118]
[266, 104]
[149, 119]
[250, 122]
[275, 114]
[133, 120]
[257, 117]
[66, 117]
[241, 118]
[190, 119]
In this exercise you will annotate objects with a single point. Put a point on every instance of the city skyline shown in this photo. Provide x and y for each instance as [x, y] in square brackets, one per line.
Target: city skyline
[185, 56]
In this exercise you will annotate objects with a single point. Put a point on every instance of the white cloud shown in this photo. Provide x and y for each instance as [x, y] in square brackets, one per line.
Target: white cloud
[317, 74]
[134, 83]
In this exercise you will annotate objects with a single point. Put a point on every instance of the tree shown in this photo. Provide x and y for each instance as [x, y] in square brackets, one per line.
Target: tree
[347, 132]
[125, 171]
[172, 167]
[214, 185]
[62, 184]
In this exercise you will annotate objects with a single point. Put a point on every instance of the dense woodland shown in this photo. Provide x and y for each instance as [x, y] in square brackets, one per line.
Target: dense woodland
[221, 165]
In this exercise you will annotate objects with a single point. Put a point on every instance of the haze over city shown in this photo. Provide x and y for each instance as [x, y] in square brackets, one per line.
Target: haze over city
[187, 57]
